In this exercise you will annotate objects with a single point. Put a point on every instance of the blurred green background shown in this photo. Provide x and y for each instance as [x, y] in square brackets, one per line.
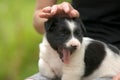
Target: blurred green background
[18, 39]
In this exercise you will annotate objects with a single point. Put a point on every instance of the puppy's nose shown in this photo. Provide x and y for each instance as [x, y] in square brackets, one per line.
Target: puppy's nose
[73, 48]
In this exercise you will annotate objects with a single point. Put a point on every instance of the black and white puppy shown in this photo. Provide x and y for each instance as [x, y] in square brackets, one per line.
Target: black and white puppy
[65, 53]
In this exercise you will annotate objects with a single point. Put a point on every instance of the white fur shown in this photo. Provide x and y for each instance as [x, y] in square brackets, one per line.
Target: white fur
[73, 41]
[75, 69]
[51, 65]
[109, 68]
[71, 25]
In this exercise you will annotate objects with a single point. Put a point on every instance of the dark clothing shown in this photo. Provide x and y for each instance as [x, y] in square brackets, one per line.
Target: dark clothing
[101, 19]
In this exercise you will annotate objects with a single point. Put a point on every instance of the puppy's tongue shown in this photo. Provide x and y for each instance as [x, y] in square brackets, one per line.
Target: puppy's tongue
[66, 56]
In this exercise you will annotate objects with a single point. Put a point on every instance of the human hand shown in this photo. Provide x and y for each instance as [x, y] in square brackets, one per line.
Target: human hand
[117, 77]
[63, 9]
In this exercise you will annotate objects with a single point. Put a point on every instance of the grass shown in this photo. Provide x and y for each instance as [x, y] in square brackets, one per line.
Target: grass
[18, 40]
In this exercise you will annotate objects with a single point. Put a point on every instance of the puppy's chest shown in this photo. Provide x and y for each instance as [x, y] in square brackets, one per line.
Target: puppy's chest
[56, 64]
[52, 58]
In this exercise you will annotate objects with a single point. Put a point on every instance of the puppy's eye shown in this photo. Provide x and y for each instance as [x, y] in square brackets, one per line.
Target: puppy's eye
[64, 32]
[77, 32]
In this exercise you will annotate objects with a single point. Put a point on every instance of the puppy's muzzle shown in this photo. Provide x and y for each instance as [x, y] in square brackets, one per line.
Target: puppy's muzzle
[72, 48]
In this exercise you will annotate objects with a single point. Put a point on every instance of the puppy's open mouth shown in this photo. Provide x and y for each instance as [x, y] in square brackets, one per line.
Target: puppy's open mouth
[65, 54]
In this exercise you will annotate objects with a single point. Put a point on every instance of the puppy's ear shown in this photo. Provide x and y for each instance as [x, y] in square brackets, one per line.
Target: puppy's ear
[82, 26]
[50, 24]
[80, 23]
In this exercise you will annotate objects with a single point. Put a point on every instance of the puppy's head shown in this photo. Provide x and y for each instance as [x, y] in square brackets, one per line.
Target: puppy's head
[64, 35]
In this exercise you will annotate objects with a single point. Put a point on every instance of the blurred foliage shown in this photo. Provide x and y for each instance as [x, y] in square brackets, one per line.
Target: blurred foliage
[59, 1]
[18, 39]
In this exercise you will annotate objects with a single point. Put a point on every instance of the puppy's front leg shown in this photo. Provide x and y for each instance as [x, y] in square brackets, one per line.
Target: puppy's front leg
[45, 69]
[72, 72]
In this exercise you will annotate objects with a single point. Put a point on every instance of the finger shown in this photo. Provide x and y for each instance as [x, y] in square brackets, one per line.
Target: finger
[47, 9]
[66, 7]
[45, 15]
[74, 13]
[69, 10]
[54, 9]
[116, 77]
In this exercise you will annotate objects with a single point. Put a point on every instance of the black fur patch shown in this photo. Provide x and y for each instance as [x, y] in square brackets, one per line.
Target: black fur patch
[58, 32]
[94, 55]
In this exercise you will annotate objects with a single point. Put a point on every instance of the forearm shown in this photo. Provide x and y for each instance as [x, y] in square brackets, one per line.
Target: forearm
[37, 21]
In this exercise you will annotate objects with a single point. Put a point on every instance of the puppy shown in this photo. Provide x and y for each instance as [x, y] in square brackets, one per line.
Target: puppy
[66, 54]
